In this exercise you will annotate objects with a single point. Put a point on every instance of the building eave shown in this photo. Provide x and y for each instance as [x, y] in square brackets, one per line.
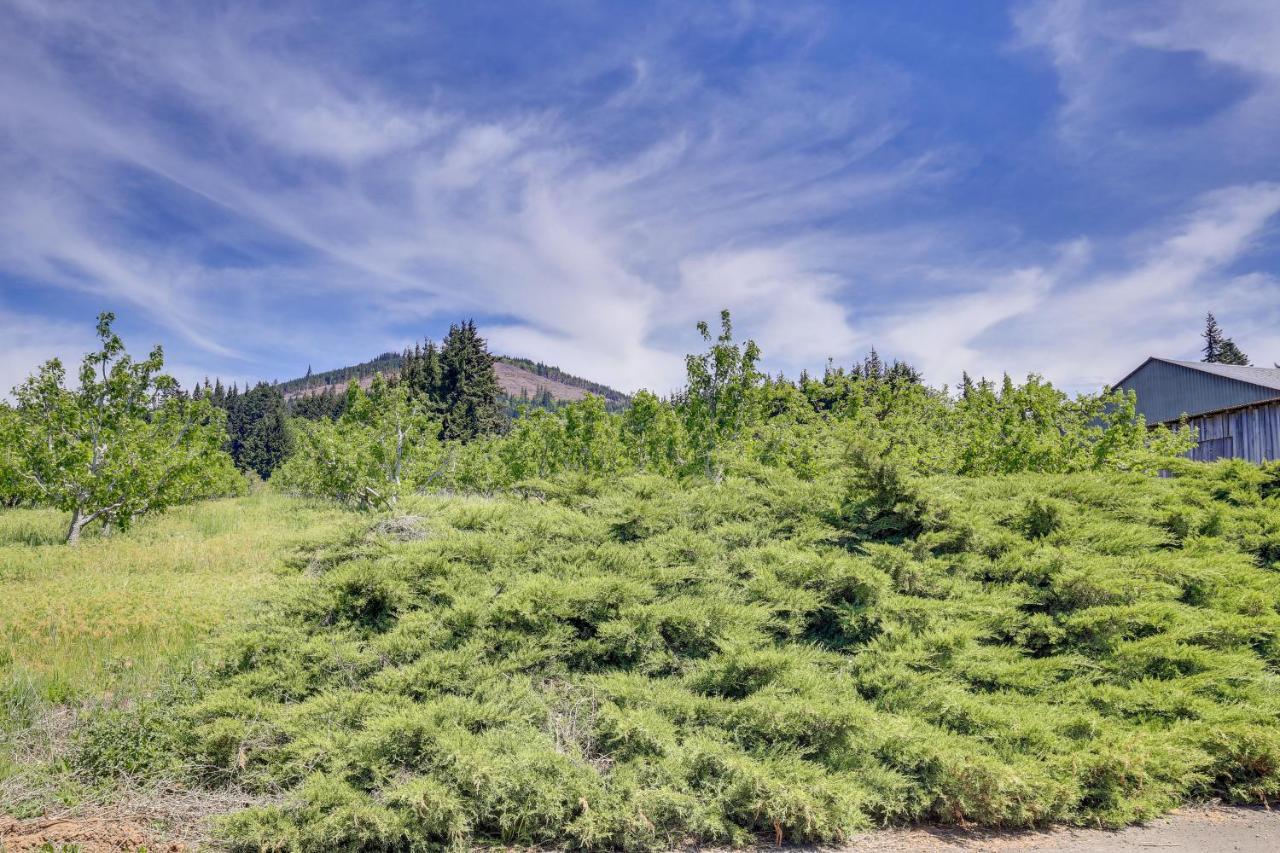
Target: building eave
[1270, 401]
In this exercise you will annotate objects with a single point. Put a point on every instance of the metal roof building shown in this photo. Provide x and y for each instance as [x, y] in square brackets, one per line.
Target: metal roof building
[1236, 410]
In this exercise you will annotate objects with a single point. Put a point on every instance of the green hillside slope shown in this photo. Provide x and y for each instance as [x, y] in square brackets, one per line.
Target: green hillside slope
[645, 664]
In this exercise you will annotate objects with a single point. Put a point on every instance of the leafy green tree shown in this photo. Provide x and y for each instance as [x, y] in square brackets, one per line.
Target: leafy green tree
[469, 386]
[651, 434]
[721, 398]
[534, 448]
[125, 443]
[581, 436]
[382, 445]
[1036, 427]
[13, 490]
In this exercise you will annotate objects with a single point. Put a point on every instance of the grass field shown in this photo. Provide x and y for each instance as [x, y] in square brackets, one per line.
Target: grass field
[106, 621]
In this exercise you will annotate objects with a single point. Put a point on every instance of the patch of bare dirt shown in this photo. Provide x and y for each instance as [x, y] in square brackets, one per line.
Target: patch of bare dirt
[1199, 829]
[90, 835]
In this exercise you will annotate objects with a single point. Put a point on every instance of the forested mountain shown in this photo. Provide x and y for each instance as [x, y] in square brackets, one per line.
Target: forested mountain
[522, 382]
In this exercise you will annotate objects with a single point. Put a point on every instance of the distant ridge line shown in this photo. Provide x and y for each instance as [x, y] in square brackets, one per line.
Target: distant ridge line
[521, 379]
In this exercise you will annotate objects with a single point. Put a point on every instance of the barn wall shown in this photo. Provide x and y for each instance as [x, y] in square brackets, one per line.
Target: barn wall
[1251, 433]
[1168, 391]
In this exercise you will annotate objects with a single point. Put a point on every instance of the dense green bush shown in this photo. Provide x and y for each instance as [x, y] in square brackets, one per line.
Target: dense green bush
[641, 663]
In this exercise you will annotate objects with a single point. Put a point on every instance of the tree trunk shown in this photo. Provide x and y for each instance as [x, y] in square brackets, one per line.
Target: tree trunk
[77, 524]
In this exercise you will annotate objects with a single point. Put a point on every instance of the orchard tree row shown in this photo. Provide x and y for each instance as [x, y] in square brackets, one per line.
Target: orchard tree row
[728, 418]
[127, 441]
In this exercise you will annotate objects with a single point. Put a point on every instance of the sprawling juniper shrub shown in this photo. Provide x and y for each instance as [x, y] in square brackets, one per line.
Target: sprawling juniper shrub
[640, 663]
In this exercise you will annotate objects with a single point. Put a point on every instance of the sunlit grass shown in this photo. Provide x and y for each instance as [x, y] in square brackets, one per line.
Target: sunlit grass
[104, 621]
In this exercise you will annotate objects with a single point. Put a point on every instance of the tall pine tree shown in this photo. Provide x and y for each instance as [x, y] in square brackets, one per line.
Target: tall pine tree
[422, 376]
[469, 385]
[1218, 348]
[257, 436]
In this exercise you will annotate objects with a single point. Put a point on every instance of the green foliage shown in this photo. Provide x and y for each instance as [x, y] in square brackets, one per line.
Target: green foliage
[314, 405]
[422, 375]
[1035, 427]
[125, 443]
[731, 419]
[258, 434]
[469, 388]
[634, 662]
[383, 443]
[14, 489]
[720, 400]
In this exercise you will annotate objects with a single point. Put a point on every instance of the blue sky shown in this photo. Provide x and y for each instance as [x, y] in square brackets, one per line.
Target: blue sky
[1057, 186]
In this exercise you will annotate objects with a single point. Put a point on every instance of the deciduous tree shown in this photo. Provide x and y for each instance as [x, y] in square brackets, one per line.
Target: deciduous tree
[126, 442]
[382, 445]
[720, 398]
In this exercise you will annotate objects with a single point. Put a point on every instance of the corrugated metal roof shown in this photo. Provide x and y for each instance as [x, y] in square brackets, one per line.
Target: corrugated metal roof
[1267, 377]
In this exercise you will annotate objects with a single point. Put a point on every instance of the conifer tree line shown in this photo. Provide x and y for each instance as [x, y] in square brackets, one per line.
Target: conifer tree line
[455, 383]
[258, 437]
[616, 399]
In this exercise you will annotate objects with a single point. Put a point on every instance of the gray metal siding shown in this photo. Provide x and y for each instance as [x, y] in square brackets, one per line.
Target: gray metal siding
[1168, 391]
[1251, 433]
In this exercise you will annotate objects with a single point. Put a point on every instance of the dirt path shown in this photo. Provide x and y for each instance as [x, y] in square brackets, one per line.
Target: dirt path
[1203, 829]
[1209, 829]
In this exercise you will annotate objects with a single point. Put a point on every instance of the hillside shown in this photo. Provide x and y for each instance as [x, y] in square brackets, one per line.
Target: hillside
[522, 381]
[642, 664]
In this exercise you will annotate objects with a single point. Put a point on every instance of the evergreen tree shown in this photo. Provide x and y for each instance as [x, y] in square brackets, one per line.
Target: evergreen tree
[1218, 348]
[421, 374]
[1231, 354]
[257, 435]
[326, 404]
[872, 366]
[264, 440]
[469, 385]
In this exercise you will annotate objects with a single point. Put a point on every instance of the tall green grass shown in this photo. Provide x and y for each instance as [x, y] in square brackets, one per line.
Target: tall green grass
[640, 664]
[109, 620]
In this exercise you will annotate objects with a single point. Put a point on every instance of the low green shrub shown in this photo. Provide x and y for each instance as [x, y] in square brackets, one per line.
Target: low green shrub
[642, 663]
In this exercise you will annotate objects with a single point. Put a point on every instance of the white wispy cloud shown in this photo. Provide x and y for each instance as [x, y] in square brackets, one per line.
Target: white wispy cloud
[1093, 45]
[209, 168]
[31, 341]
[592, 256]
[1083, 324]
